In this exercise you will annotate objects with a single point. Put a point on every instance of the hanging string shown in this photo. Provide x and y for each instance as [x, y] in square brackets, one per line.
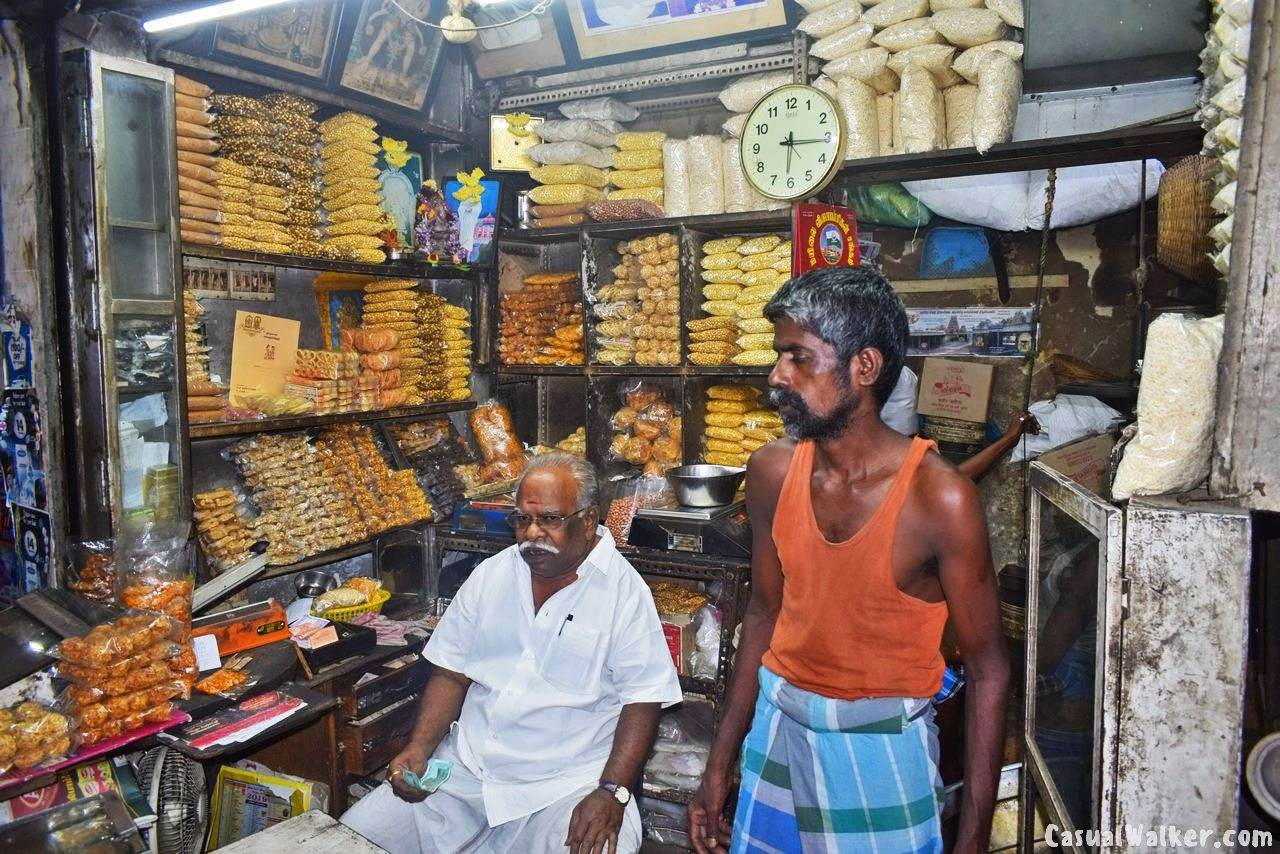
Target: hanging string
[536, 9]
[1036, 308]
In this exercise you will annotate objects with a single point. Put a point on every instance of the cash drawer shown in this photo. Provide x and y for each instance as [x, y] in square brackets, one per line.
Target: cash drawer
[392, 682]
[370, 742]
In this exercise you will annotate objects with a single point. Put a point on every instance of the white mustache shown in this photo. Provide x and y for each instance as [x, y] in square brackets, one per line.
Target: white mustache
[531, 546]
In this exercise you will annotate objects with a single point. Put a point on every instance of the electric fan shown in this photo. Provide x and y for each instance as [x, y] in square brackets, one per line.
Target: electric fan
[175, 787]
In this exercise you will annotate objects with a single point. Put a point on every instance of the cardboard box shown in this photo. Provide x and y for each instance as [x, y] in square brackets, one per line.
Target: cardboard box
[956, 390]
[682, 639]
[249, 800]
[1086, 461]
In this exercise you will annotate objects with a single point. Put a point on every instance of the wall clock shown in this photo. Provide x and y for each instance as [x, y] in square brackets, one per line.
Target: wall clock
[793, 142]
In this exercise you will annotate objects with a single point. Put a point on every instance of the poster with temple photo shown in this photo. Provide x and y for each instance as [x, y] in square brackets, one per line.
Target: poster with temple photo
[392, 57]
[610, 27]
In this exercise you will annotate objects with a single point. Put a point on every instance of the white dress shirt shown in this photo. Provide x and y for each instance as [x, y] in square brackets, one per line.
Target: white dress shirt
[547, 689]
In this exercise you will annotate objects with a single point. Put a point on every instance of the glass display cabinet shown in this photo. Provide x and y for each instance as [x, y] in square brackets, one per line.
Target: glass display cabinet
[1136, 630]
[127, 370]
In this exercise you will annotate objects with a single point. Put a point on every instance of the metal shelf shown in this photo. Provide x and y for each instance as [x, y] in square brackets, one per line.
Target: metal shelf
[391, 269]
[671, 796]
[729, 223]
[1112, 146]
[636, 370]
[541, 370]
[302, 422]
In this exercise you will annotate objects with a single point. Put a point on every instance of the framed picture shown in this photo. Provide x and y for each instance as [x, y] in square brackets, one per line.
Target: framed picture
[529, 45]
[251, 282]
[477, 222]
[392, 57]
[339, 302]
[611, 27]
[206, 278]
[297, 37]
[400, 177]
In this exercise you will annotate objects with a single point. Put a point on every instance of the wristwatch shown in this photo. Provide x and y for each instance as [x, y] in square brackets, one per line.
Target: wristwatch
[620, 793]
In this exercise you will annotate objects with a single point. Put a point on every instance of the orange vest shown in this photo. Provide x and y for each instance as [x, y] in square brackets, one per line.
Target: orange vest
[845, 630]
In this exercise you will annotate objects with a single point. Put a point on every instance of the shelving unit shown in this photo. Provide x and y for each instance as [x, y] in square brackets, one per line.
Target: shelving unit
[302, 422]
[410, 269]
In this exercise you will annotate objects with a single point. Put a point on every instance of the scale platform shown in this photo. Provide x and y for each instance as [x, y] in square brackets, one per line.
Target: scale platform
[720, 531]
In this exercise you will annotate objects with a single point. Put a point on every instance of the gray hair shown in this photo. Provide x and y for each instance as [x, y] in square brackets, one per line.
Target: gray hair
[582, 471]
[850, 308]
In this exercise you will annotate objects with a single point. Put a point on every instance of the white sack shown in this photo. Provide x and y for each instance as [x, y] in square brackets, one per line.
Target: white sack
[706, 175]
[996, 110]
[676, 178]
[831, 19]
[846, 41]
[742, 94]
[1176, 406]
[600, 109]
[1064, 419]
[892, 12]
[966, 64]
[969, 27]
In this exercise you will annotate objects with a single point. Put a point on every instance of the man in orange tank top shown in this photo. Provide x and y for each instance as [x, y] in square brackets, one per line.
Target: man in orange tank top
[865, 541]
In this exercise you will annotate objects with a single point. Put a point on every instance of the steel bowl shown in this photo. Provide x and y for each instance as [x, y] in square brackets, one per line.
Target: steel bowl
[313, 582]
[706, 485]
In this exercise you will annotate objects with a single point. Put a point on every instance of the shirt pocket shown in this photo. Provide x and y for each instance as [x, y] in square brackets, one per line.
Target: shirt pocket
[571, 659]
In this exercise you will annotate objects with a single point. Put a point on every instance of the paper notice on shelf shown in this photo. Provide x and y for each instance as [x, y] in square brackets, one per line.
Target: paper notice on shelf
[262, 354]
[206, 648]
[146, 413]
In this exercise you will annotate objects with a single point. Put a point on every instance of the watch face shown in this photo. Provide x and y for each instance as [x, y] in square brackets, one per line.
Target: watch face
[623, 794]
[792, 142]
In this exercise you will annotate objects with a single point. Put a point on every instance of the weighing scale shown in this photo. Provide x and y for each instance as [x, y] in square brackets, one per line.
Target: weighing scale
[719, 531]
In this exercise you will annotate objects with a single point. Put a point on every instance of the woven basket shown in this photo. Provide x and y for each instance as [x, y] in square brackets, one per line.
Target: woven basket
[346, 615]
[1182, 237]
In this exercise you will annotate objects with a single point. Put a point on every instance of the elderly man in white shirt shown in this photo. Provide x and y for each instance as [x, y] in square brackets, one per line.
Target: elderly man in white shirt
[550, 672]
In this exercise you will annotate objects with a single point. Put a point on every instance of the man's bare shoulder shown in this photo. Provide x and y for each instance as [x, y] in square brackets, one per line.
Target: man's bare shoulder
[948, 494]
[768, 465]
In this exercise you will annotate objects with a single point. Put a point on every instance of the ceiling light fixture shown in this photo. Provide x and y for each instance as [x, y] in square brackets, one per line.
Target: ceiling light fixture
[204, 14]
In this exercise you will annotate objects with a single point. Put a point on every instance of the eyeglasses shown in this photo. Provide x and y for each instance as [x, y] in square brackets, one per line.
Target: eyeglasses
[546, 521]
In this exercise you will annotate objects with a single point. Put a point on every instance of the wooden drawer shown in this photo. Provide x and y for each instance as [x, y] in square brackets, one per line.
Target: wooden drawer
[370, 742]
[389, 685]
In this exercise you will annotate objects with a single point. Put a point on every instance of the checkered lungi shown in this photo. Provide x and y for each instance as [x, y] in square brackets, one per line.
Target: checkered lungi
[837, 775]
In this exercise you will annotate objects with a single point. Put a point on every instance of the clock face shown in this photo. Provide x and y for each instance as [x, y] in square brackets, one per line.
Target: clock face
[792, 142]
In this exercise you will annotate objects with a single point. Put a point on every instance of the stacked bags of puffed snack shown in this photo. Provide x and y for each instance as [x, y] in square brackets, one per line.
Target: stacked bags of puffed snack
[456, 323]
[919, 75]
[737, 424]
[352, 197]
[433, 383]
[741, 275]
[199, 199]
[293, 119]
[392, 304]
[637, 168]
[575, 156]
[254, 172]
[206, 400]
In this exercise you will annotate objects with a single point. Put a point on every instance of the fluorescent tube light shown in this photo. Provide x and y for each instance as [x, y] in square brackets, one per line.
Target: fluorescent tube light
[204, 14]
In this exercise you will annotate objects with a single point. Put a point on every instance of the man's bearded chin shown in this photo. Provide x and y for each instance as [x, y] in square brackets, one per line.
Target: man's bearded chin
[801, 423]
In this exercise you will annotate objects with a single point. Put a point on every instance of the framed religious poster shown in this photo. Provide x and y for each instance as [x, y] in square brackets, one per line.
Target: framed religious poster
[611, 27]
[297, 37]
[393, 57]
